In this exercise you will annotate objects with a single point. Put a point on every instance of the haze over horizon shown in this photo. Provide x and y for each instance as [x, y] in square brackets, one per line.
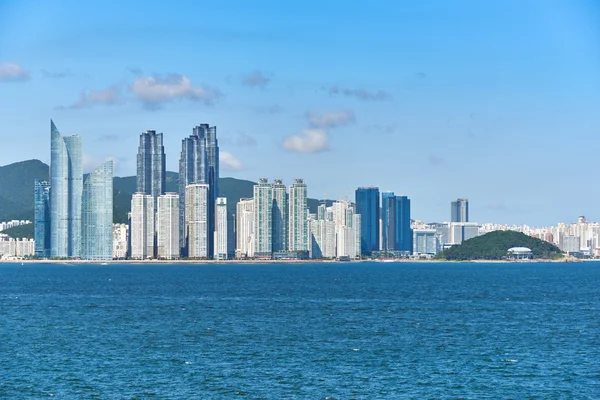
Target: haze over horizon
[497, 102]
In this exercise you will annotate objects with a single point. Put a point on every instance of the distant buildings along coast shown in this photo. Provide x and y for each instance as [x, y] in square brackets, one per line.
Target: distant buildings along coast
[74, 214]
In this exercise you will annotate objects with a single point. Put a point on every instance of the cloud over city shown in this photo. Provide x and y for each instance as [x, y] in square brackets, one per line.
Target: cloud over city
[308, 141]
[11, 72]
[229, 162]
[155, 90]
[109, 97]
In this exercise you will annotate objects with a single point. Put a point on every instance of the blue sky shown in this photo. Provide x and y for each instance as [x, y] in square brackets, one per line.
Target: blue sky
[497, 101]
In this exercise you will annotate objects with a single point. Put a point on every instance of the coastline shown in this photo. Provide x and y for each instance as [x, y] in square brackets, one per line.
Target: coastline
[251, 262]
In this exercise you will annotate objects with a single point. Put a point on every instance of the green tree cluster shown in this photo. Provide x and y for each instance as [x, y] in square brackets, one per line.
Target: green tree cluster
[495, 245]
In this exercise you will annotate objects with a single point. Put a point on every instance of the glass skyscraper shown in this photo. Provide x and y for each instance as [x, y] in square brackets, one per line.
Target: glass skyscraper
[199, 163]
[151, 165]
[97, 214]
[66, 182]
[400, 235]
[385, 220]
[42, 218]
[367, 206]
[459, 210]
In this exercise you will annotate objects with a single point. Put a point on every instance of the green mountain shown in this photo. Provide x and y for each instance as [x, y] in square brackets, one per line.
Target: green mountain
[494, 246]
[19, 232]
[16, 191]
[16, 188]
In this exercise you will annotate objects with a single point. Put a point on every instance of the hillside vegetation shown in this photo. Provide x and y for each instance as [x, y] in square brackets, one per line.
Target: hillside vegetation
[16, 188]
[20, 232]
[494, 246]
[16, 191]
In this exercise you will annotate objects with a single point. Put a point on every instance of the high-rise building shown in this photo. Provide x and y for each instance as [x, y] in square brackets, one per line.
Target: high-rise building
[458, 232]
[459, 210]
[280, 216]
[199, 163]
[322, 242]
[42, 218]
[244, 228]
[97, 214]
[66, 187]
[263, 219]
[120, 241]
[221, 230]
[400, 234]
[151, 165]
[425, 241]
[367, 206]
[385, 219]
[197, 199]
[299, 233]
[347, 229]
[167, 226]
[321, 211]
[142, 226]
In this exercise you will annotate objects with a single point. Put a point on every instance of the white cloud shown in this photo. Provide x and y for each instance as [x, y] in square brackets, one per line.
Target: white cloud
[154, 90]
[361, 94]
[229, 162]
[11, 72]
[309, 141]
[256, 79]
[330, 119]
[110, 97]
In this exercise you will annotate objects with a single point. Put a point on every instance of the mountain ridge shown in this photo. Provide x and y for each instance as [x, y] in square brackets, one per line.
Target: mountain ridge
[16, 190]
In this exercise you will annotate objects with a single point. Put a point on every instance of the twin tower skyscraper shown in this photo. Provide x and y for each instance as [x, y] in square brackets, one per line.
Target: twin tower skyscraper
[198, 164]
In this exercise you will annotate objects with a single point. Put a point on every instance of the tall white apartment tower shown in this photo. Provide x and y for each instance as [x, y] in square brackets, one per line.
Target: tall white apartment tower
[142, 226]
[244, 228]
[167, 226]
[263, 219]
[220, 233]
[196, 217]
[299, 233]
[280, 216]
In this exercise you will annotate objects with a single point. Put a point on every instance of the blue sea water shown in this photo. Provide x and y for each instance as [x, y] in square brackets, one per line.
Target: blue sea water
[308, 331]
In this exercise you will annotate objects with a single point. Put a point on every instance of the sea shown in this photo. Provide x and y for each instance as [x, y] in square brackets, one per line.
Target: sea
[300, 331]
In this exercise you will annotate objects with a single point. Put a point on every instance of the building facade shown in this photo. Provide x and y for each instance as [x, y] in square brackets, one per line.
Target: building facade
[244, 228]
[367, 206]
[42, 218]
[167, 227]
[66, 182]
[97, 214]
[298, 215]
[199, 163]
[459, 210]
[458, 232]
[142, 226]
[221, 229]
[197, 215]
[120, 241]
[263, 219]
[400, 235]
[385, 219]
[280, 216]
[425, 241]
[151, 165]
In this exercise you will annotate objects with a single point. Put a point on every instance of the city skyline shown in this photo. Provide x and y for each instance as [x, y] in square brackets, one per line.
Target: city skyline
[470, 112]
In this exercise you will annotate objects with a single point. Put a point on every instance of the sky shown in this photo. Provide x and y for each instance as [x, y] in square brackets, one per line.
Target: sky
[495, 101]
